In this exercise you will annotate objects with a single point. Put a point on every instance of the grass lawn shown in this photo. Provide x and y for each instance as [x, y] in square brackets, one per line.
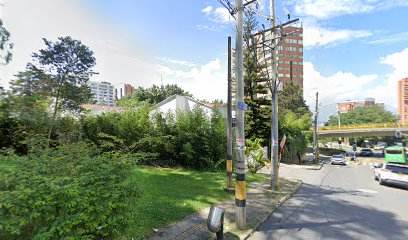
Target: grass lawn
[169, 195]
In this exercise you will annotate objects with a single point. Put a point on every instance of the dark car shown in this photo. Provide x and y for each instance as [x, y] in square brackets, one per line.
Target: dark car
[366, 152]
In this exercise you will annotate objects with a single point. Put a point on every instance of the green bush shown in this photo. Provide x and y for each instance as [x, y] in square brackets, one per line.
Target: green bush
[72, 192]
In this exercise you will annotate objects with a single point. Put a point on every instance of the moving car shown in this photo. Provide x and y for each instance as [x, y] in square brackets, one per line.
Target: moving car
[391, 173]
[337, 159]
[366, 152]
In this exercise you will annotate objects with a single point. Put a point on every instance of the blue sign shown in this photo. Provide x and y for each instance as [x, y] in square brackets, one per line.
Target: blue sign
[242, 106]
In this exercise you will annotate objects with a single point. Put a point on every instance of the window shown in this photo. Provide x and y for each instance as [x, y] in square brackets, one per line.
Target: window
[280, 61]
[300, 63]
[280, 75]
[280, 68]
[300, 42]
[287, 62]
[287, 75]
[294, 75]
[300, 49]
[294, 63]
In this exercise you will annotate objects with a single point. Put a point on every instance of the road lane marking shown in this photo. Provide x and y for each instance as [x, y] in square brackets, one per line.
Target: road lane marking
[366, 191]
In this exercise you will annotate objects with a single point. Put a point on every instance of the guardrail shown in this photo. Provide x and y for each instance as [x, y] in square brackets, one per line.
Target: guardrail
[365, 126]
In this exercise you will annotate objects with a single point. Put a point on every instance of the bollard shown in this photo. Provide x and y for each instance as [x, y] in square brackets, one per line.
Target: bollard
[215, 222]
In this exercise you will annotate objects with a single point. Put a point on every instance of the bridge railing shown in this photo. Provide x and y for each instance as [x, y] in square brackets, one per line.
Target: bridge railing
[363, 126]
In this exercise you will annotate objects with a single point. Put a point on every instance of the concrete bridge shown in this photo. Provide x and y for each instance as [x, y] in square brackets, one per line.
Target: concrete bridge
[361, 132]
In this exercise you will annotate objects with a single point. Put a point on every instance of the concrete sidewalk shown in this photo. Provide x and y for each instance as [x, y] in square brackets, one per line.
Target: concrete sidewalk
[261, 202]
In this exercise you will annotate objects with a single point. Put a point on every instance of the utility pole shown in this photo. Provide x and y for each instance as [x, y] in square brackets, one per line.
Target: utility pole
[274, 102]
[229, 186]
[315, 134]
[240, 167]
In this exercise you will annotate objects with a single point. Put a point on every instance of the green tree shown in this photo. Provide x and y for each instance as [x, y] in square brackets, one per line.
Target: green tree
[363, 115]
[152, 95]
[5, 45]
[258, 115]
[59, 72]
[291, 98]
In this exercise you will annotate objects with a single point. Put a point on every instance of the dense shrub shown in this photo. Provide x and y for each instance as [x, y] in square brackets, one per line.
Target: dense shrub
[189, 139]
[73, 192]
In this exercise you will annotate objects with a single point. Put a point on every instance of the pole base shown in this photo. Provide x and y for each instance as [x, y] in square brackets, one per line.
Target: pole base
[230, 190]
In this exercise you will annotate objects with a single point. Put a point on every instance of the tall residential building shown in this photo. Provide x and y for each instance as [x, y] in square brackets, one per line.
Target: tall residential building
[347, 106]
[289, 56]
[102, 92]
[403, 100]
[122, 90]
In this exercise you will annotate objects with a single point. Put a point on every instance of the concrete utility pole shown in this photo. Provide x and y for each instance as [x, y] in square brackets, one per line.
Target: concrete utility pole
[315, 134]
[240, 168]
[229, 186]
[274, 102]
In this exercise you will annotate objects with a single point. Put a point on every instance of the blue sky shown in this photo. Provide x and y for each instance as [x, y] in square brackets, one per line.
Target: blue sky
[353, 49]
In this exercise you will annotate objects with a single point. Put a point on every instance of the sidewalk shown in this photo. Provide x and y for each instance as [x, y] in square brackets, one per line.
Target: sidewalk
[261, 202]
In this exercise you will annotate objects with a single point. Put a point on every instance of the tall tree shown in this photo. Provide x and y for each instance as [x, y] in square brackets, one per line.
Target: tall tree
[291, 98]
[258, 115]
[60, 72]
[5, 45]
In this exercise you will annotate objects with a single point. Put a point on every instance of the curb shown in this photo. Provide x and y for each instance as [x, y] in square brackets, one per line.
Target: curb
[280, 202]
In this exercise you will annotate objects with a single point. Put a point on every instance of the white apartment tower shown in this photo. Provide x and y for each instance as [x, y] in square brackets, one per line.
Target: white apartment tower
[102, 92]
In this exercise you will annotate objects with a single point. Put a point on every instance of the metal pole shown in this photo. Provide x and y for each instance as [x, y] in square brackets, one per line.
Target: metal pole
[316, 157]
[229, 120]
[240, 168]
[274, 102]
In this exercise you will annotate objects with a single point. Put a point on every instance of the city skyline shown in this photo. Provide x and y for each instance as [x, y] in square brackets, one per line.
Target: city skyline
[351, 49]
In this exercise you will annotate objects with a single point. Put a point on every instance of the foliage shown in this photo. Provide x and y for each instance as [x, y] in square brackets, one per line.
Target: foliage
[5, 45]
[291, 98]
[363, 115]
[188, 139]
[257, 124]
[152, 95]
[255, 155]
[59, 72]
[293, 126]
[68, 193]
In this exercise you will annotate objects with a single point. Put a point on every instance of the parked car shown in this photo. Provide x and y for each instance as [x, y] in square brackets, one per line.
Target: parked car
[338, 159]
[391, 173]
[366, 152]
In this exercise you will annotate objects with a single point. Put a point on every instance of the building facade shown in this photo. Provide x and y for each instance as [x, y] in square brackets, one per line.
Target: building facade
[347, 106]
[289, 58]
[122, 90]
[403, 100]
[102, 92]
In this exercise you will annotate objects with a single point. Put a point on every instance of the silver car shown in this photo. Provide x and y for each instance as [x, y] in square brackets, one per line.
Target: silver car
[391, 173]
[338, 159]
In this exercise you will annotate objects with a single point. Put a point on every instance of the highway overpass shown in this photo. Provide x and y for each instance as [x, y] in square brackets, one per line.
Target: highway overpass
[362, 132]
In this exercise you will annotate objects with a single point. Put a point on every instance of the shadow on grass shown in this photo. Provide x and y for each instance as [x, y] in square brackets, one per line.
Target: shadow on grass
[320, 212]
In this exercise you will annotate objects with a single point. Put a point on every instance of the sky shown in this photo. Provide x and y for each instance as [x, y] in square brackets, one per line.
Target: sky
[354, 49]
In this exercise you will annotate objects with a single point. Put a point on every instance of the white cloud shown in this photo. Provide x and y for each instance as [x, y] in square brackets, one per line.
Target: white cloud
[177, 62]
[207, 10]
[316, 36]
[218, 19]
[334, 88]
[388, 92]
[207, 81]
[117, 59]
[324, 9]
[386, 38]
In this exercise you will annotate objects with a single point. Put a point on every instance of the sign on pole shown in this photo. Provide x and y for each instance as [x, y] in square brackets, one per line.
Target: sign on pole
[283, 141]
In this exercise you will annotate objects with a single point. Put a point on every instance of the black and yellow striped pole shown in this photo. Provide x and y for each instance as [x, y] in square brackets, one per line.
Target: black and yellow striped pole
[229, 186]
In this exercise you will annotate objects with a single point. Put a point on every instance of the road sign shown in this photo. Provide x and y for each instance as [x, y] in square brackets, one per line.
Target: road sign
[283, 141]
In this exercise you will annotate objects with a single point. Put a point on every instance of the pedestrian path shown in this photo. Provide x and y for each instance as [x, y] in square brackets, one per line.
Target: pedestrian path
[260, 203]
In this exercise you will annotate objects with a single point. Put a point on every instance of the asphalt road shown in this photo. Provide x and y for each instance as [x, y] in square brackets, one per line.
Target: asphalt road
[339, 202]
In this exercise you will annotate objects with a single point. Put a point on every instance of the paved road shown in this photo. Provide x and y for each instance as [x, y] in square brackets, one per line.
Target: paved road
[339, 202]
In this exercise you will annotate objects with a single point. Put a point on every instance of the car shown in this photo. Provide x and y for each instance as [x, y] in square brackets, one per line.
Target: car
[391, 173]
[338, 159]
[366, 152]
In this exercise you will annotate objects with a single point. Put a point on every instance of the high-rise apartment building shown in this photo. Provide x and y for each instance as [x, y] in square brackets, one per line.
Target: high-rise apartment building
[289, 54]
[403, 100]
[102, 92]
[122, 90]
